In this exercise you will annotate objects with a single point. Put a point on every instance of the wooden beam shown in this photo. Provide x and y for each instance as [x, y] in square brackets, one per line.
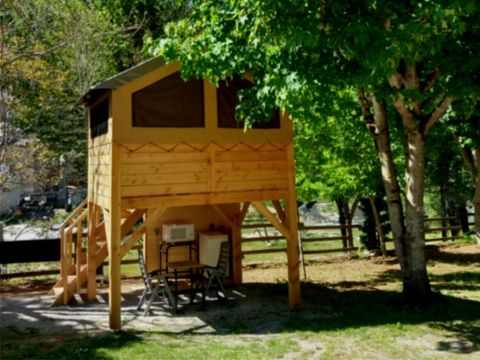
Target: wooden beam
[243, 212]
[237, 254]
[292, 242]
[113, 230]
[202, 199]
[137, 234]
[280, 212]
[262, 209]
[93, 217]
[220, 211]
[126, 227]
[125, 213]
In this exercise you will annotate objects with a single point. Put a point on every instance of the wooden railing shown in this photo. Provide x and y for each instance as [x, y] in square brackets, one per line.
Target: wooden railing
[71, 236]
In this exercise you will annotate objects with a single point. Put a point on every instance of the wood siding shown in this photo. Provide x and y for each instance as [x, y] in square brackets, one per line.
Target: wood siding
[154, 170]
[99, 173]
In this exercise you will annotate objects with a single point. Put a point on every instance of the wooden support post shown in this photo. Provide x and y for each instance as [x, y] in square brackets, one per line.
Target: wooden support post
[91, 251]
[138, 233]
[113, 230]
[280, 212]
[63, 263]
[220, 211]
[292, 242]
[211, 168]
[78, 252]
[262, 209]
[237, 246]
[243, 212]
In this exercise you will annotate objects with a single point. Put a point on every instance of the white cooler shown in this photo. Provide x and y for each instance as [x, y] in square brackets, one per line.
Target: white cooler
[209, 244]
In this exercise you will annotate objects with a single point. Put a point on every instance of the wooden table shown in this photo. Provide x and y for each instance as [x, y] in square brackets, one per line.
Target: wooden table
[189, 267]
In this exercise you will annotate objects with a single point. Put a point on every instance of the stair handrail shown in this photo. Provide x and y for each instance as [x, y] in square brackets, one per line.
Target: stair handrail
[74, 213]
[66, 238]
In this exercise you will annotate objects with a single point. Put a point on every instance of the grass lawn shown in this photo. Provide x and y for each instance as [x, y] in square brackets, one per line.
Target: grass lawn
[352, 309]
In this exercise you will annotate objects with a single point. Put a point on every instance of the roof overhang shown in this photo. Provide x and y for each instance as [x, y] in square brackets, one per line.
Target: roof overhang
[121, 79]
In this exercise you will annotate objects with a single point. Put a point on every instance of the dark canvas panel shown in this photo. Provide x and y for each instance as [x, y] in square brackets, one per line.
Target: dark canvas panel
[99, 119]
[227, 102]
[169, 102]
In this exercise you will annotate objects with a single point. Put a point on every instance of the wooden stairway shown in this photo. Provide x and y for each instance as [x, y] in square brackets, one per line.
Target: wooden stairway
[74, 268]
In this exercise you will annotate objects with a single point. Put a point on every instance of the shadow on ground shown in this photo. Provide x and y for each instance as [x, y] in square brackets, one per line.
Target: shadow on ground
[256, 309]
[443, 254]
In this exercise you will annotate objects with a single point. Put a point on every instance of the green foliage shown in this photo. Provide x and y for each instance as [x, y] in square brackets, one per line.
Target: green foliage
[298, 49]
[144, 19]
[334, 154]
[53, 52]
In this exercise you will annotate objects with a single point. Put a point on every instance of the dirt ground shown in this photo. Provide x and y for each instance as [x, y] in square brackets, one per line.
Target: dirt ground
[264, 293]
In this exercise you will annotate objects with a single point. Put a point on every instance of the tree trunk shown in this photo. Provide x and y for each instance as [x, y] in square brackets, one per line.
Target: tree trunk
[378, 225]
[416, 285]
[408, 233]
[444, 205]
[342, 206]
[390, 182]
[351, 214]
[476, 197]
[462, 214]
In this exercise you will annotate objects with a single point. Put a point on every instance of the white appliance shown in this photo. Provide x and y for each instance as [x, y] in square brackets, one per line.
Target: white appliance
[209, 244]
[178, 232]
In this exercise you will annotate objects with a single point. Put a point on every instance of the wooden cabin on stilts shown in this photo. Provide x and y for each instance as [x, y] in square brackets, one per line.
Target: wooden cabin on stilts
[163, 150]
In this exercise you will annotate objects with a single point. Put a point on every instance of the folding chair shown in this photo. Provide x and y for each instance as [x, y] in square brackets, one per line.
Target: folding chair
[150, 292]
[217, 274]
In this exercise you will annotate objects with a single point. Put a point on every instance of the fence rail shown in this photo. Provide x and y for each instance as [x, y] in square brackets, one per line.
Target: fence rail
[305, 236]
[345, 242]
[49, 249]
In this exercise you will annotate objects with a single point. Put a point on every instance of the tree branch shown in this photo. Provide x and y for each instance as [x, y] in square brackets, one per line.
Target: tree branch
[406, 114]
[431, 80]
[60, 45]
[396, 80]
[366, 113]
[412, 82]
[380, 115]
[437, 113]
[467, 156]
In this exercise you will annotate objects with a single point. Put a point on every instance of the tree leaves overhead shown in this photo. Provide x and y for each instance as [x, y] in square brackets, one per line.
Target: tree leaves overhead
[297, 49]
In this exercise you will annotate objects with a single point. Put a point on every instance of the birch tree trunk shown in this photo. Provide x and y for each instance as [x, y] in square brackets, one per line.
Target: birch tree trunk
[416, 285]
[378, 125]
[408, 233]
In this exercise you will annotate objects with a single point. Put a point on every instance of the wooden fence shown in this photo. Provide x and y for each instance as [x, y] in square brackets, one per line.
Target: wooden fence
[449, 227]
[309, 237]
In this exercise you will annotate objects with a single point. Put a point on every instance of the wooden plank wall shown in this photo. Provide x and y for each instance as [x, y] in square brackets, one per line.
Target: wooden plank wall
[151, 169]
[99, 173]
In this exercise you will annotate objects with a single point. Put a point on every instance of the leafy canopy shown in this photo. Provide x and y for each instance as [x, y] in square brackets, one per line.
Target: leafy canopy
[297, 50]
